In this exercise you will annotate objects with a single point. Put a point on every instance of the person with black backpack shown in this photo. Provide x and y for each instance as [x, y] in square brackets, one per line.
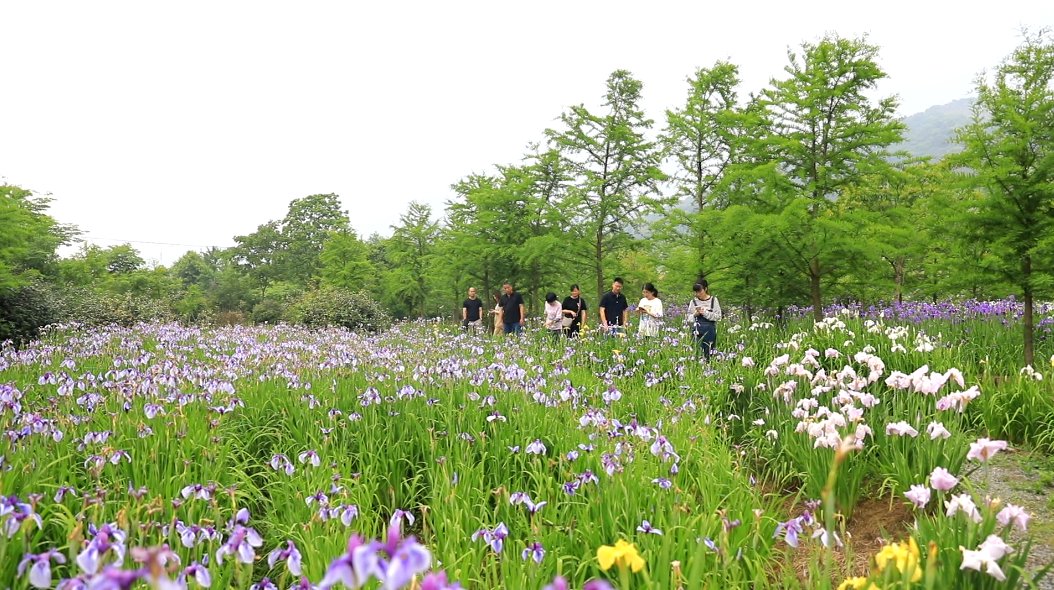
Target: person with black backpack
[704, 311]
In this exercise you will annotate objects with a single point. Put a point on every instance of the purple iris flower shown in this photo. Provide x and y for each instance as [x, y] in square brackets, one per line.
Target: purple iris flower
[264, 584]
[105, 539]
[348, 513]
[662, 482]
[62, 492]
[598, 585]
[242, 542]
[40, 571]
[197, 490]
[534, 551]
[536, 448]
[438, 581]
[281, 462]
[400, 515]
[78, 583]
[303, 584]
[523, 498]
[319, 497]
[113, 578]
[790, 530]
[290, 555]
[199, 572]
[495, 538]
[558, 583]
[400, 560]
[310, 455]
[354, 568]
[15, 512]
[646, 528]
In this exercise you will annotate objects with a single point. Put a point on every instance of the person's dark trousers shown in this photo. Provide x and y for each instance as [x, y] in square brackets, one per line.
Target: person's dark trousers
[513, 328]
[706, 337]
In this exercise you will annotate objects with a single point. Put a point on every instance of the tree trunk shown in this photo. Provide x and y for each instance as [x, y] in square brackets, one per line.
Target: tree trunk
[898, 278]
[535, 286]
[1029, 343]
[814, 290]
[599, 262]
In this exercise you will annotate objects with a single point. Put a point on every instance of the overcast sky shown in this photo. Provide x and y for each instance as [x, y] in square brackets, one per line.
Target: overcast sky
[187, 123]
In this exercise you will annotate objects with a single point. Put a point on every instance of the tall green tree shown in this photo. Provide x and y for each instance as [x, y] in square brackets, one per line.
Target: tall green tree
[615, 168]
[819, 135]
[305, 229]
[193, 269]
[261, 254]
[412, 250]
[1009, 148]
[345, 262]
[700, 137]
[29, 237]
[483, 223]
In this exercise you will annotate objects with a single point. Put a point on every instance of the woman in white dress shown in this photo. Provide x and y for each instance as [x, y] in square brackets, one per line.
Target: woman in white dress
[650, 311]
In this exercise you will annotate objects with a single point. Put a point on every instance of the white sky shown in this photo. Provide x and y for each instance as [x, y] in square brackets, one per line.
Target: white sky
[191, 122]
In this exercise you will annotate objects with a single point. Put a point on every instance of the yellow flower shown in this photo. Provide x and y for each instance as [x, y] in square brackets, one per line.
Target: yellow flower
[857, 583]
[623, 555]
[903, 556]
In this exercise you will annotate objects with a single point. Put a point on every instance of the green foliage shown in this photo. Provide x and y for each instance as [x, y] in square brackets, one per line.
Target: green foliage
[268, 311]
[25, 309]
[615, 169]
[809, 140]
[306, 228]
[94, 308]
[354, 310]
[260, 254]
[1009, 150]
[345, 262]
[29, 237]
[411, 253]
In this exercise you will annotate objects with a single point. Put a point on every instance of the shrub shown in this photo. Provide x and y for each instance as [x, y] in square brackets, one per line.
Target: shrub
[354, 310]
[229, 318]
[94, 308]
[25, 309]
[268, 311]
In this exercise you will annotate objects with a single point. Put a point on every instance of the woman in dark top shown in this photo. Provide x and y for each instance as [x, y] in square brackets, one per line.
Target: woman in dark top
[575, 310]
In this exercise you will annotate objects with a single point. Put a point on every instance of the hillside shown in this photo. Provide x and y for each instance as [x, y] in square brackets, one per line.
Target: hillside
[930, 132]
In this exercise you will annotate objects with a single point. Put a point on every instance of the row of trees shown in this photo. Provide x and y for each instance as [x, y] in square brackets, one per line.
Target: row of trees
[795, 194]
[792, 195]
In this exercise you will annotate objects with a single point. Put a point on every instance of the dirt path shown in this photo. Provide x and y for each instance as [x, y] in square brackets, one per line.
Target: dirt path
[1025, 479]
[1017, 477]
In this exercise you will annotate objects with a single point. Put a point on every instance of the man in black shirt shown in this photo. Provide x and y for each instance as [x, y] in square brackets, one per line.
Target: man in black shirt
[574, 307]
[472, 311]
[512, 312]
[614, 314]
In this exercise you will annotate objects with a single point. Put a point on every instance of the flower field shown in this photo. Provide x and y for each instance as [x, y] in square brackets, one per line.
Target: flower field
[424, 457]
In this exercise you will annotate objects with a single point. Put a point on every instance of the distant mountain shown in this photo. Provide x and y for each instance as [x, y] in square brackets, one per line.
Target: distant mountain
[931, 132]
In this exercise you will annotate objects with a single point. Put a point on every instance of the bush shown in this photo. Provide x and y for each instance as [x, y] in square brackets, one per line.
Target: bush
[268, 311]
[93, 308]
[228, 318]
[24, 310]
[354, 310]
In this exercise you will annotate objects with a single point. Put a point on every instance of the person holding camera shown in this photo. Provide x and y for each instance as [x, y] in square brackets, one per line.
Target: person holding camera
[704, 311]
[574, 312]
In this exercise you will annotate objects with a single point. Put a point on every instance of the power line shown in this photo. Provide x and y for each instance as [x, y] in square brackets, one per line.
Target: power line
[123, 241]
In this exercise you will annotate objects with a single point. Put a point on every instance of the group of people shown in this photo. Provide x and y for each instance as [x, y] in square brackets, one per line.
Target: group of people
[567, 318]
